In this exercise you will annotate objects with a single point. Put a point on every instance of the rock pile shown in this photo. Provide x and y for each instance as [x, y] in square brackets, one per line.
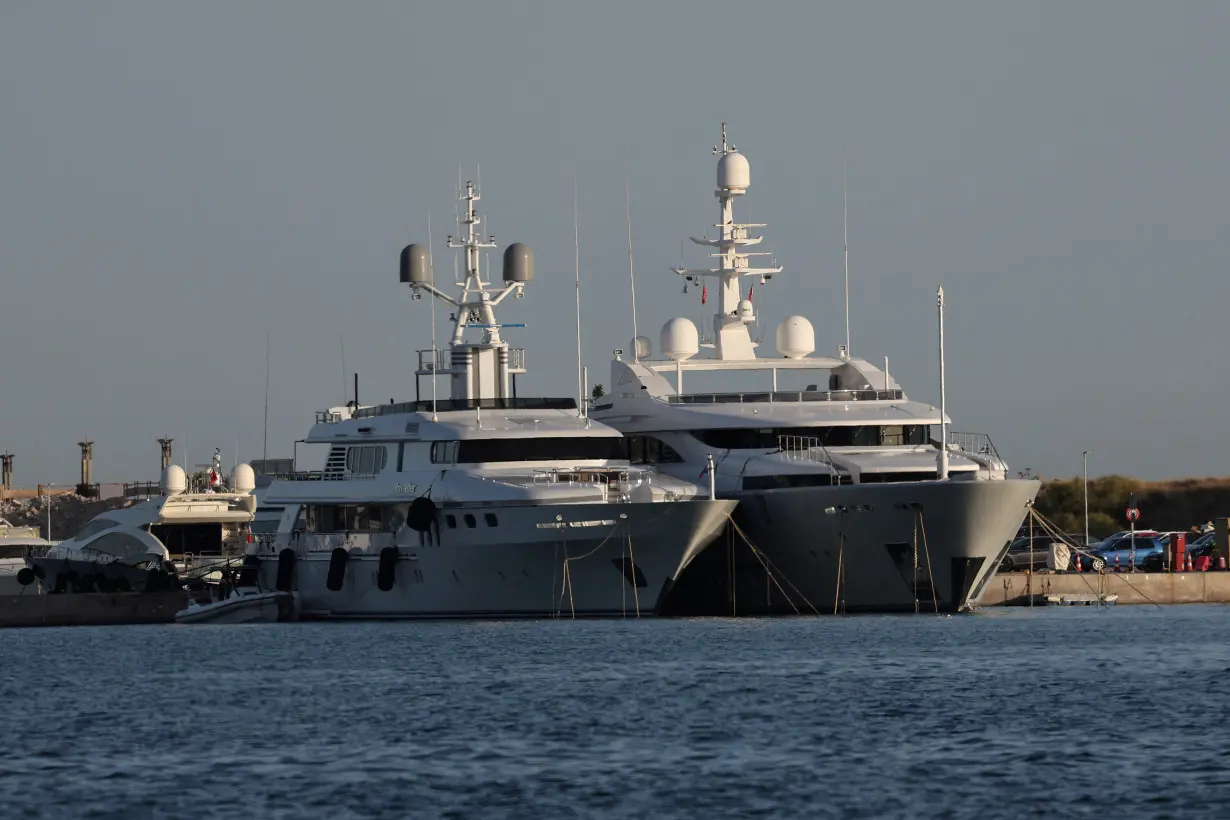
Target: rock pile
[69, 513]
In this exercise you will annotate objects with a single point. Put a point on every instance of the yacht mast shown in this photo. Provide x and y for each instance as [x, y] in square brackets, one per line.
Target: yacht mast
[479, 370]
[731, 339]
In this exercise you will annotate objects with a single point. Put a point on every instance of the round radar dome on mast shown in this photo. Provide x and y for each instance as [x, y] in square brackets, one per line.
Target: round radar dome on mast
[733, 173]
[243, 478]
[641, 347]
[174, 480]
[518, 263]
[795, 337]
[680, 340]
[416, 265]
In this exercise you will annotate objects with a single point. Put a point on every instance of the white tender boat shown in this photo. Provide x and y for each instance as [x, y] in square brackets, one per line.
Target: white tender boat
[241, 605]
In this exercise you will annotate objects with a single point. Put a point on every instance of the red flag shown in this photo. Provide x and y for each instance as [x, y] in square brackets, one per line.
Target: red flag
[704, 293]
[749, 292]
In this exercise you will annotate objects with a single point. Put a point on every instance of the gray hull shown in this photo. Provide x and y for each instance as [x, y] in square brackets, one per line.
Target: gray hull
[72, 575]
[967, 526]
[536, 561]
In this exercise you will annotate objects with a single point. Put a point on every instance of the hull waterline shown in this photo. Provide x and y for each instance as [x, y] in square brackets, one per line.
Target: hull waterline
[921, 546]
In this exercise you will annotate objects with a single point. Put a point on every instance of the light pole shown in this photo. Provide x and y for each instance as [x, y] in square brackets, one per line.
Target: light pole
[48, 487]
[1085, 481]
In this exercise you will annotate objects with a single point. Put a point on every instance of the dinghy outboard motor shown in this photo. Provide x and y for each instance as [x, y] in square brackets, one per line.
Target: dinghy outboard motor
[249, 573]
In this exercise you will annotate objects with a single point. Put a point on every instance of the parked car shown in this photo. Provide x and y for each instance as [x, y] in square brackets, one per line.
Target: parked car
[1125, 550]
[1018, 557]
[1199, 548]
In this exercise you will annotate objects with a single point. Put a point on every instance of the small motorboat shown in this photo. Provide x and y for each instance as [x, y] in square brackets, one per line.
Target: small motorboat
[240, 605]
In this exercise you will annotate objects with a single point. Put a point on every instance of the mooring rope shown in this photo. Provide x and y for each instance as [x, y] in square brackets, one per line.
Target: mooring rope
[922, 524]
[767, 562]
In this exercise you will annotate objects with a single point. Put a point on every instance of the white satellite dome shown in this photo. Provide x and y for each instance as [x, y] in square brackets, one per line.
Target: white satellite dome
[641, 348]
[174, 480]
[747, 313]
[680, 340]
[734, 173]
[795, 337]
[243, 478]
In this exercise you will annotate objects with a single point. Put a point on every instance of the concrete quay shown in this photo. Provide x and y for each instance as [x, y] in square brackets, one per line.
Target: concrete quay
[1017, 588]
[91, 609]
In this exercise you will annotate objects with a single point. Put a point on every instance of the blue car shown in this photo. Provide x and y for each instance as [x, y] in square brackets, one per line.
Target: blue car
[1132, 551]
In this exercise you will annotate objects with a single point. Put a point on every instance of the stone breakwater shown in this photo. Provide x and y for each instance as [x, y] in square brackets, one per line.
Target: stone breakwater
[69, 513]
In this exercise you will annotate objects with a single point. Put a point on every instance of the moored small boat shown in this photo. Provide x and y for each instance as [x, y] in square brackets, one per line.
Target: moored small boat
[241, 606]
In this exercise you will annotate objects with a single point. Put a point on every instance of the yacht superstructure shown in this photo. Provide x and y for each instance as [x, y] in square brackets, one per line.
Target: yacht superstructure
[148, 547]
[839, 481]
[16, 544]
[481, 503]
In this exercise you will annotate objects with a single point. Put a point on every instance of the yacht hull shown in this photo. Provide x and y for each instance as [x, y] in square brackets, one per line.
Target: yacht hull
[73, 575]
[535, 561]
[961, 529]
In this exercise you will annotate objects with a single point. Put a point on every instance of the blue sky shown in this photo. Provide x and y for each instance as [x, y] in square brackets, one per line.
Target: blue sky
[181, 181]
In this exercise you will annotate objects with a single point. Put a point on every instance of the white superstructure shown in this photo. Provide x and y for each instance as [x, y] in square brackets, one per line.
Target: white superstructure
[153, 544]
[795, 420]
[481, 502]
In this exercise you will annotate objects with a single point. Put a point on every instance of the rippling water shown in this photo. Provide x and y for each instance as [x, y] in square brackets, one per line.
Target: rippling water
[1015, 713]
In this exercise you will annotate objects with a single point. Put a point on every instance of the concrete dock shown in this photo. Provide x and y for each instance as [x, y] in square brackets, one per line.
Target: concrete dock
[91, 609]
[1016, 588]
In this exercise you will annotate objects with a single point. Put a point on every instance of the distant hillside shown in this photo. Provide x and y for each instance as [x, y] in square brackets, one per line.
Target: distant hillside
[1164, 505]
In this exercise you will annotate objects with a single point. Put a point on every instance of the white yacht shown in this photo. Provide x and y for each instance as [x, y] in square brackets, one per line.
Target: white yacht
[16, 544]
[153, 545]
[483, 503]
[840, 485]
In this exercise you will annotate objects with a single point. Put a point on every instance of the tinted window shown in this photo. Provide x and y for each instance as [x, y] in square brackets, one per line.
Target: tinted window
[580, 448]
[859, 435]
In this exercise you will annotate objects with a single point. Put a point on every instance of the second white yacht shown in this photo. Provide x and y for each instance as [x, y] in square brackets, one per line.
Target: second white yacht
[484, 503]
[851, 502]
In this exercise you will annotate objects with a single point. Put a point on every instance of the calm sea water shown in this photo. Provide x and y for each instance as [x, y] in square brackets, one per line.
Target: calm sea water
[1014, 713]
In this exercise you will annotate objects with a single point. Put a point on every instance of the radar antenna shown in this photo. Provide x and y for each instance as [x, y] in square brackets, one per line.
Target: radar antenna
[731, 338]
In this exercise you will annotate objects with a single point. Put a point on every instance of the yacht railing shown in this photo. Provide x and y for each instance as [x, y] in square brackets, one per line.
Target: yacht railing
[783, 396]
[441, 360]
[977, 443]
[803, 448]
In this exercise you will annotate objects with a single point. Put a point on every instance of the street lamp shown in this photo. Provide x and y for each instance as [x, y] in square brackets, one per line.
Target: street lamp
[1085, 481]
[48, 487]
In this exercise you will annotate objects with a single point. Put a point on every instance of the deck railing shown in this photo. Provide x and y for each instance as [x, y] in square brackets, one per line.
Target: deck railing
[784, 396]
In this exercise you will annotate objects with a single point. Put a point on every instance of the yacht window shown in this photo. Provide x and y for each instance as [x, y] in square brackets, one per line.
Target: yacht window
[12, 550]
[491, 520]
[451, 520]
[95, 527]
[651, 450]
[401, 456]
[581, 448]
[779, 482]
[857, 435]
[443, 452]
[367, 460]
[264, 527]
[120, 544]
[470, 522]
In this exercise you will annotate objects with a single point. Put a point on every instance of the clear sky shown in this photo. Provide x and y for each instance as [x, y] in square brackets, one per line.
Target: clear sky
[181, 181]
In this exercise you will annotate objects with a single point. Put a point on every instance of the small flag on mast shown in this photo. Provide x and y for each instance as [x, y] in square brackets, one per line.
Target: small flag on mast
[704, 293]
